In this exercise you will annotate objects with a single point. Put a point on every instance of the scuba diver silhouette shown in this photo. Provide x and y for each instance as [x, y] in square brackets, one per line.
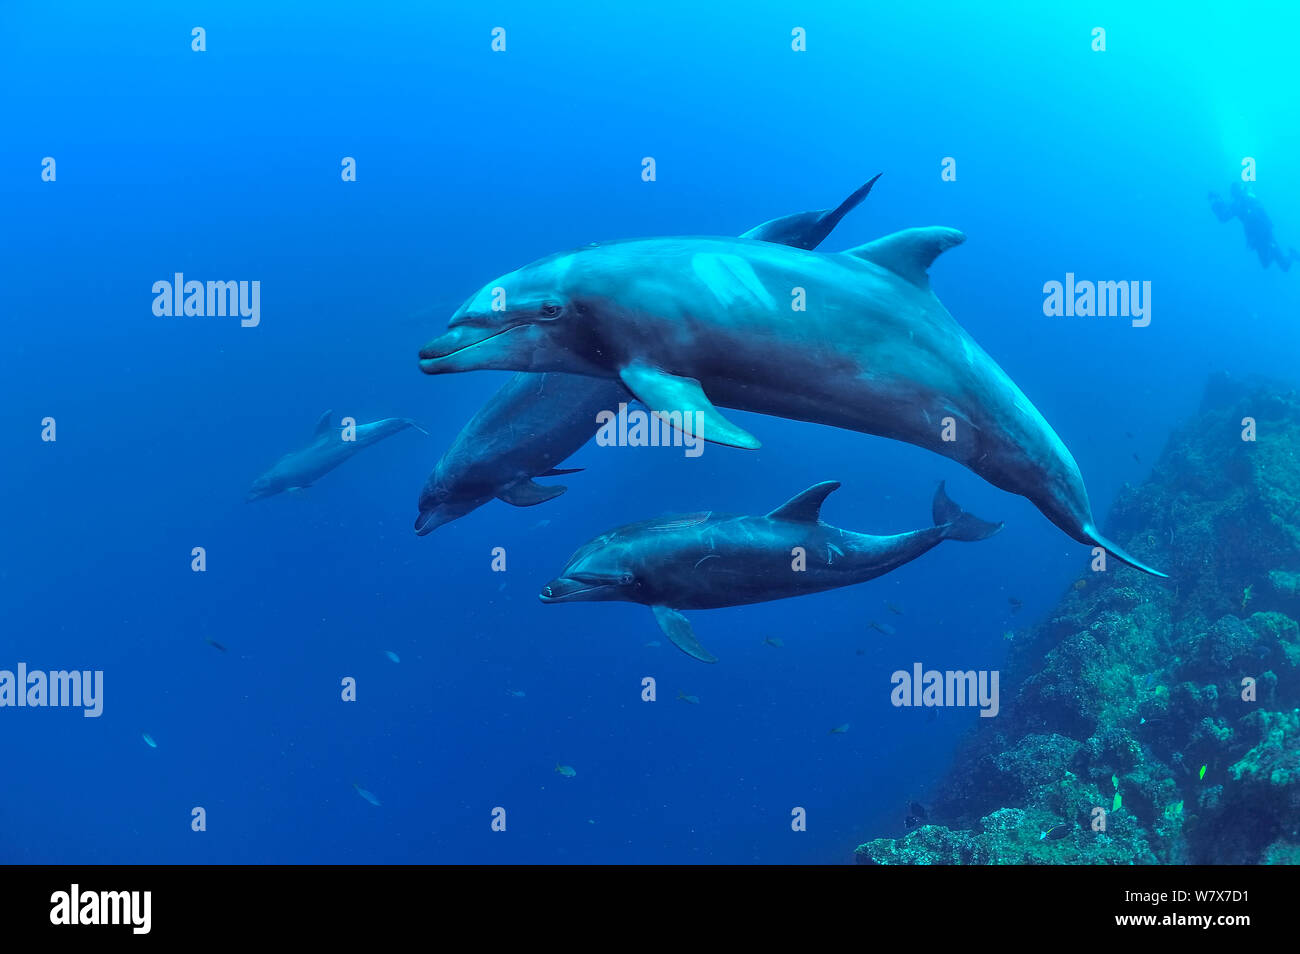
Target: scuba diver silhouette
[1242, 204]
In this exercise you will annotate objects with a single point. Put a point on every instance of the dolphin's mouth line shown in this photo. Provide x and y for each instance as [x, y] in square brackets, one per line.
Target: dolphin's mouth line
[430, 358]
[549, 594]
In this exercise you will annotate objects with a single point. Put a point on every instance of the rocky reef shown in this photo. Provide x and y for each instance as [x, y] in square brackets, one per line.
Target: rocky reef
[1154, 721]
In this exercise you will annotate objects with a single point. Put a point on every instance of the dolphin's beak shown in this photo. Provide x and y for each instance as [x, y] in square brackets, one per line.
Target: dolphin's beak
[566, 589]
[448, 352]
[433, 518]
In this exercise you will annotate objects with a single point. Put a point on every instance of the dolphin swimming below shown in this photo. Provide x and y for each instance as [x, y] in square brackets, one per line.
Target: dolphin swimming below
[533, 423]
[536, 421]
[710, 560]
[328, 449]
[854, 339]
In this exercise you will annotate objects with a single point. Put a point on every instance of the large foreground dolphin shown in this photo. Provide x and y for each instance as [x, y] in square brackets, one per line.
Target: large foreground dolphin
[708, 560]
[689, 321]
[328, 449]
[535, 421]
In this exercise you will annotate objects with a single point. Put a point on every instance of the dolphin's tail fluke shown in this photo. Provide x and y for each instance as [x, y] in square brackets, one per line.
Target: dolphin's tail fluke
[1119, 554]
[957, 523]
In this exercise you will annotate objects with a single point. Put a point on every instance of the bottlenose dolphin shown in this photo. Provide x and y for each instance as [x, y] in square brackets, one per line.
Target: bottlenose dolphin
[685, 322]
[328, 449]
[533, 423]
[537, 420]
[708, 560]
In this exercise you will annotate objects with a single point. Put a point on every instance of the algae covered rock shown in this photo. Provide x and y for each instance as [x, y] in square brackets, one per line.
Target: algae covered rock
[1153, 721]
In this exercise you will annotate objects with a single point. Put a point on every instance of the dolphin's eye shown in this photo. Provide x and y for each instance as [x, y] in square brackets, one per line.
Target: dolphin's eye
[551, 309]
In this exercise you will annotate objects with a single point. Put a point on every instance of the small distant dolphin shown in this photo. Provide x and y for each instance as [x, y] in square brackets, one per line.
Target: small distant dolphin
[538, 420]
[709, 560]
[328, 449]
[684, 322]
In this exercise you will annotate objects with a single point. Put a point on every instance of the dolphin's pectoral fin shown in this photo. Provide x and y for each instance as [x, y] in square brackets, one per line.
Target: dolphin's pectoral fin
[678, 628]
[684, 404]
[561, 471]
[526, 493]
[910, 252]
[807, 506]
[323, 424]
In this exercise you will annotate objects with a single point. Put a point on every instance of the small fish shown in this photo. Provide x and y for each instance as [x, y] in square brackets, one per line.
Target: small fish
[773, 641]
[1080, 584]
[1146, 683]
[1128, 434]
[1056, 832]
[517, 693]
[153, 745]
[693, 700]
[1015, 604]
[882, 628]
[366, 795]
[568, 771]
[839, 729]
[392, 655]
[861, 652]
[917, 810]
[1203, 768]
[653, 644]
[1137, 458]
[214, 644]
[893, 608]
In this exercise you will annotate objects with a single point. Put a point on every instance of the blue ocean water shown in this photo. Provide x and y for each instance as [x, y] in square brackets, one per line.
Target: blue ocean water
[225, 164]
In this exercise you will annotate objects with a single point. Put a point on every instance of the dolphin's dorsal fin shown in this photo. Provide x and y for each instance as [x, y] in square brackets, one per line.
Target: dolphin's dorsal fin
[807, 229]
[323, 424]
[910, 252]
[807, 506]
